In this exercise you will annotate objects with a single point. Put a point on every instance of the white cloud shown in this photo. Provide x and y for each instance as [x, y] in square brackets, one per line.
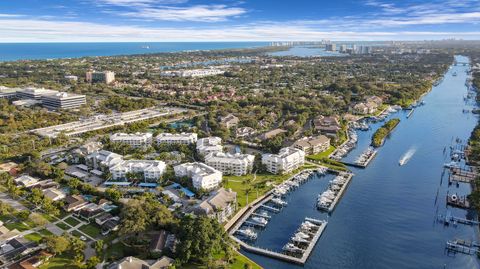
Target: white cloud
[201, 13]
[17, 30]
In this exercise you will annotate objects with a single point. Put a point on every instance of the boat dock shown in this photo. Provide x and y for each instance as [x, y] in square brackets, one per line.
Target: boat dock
[285, 257]
[461, 175]
[462, 246]
[365, 158]
[339, 194]
[449, 218]
[456, 201]
[410, 113]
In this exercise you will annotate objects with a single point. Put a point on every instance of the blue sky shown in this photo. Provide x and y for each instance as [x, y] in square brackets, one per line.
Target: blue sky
[232, 20]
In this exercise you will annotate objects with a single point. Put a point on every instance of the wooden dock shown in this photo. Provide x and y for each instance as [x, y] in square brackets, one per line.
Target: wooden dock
[284, 257]
[460, 202]
[339, 194]
[462, 246]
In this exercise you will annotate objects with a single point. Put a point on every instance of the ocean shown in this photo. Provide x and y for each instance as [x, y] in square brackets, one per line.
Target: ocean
[35, 51]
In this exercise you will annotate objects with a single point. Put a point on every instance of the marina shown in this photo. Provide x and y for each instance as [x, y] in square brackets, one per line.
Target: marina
[390, 206]
[250, 226]
[329, 199]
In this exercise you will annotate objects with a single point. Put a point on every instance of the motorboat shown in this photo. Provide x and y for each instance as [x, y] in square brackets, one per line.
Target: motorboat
[302, 235]
[292, 248]
[279, 201]
[247, 233]
[260, 220]
[451, 165]
[299, 240]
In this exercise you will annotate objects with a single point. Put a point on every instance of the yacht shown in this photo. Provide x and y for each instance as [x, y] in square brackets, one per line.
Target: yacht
[260, 220]
[451, 165]
[247, 233]
[279, 201]
[298, 239]
[292, 248]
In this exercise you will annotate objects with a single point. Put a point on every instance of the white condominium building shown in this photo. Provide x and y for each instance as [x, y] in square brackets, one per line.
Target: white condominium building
[203, 176]
[287, 160]
[136, 140]
[231, 164]
[103, 159]
[183, 138]
[151, 170]
[209, 145]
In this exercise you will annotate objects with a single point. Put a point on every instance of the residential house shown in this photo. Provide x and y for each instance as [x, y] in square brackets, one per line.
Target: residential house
[312, 145]
[136, 263]
[220, 205]
[328, 126]
[74, 203]
[229, 121]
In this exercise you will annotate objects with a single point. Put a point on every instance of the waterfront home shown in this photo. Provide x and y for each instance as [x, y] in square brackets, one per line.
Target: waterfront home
[136, 263]
[231, 164]
[287, 160]
[220, 205]
[328, 126]
[313, 144]
[203, 176]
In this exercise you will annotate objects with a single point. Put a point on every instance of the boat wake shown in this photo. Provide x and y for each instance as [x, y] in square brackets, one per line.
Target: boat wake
[407, 156]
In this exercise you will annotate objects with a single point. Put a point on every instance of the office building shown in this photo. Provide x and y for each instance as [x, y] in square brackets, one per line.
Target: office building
[63, 100]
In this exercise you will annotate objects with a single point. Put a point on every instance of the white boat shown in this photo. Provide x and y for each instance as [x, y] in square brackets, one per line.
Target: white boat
[302, 235]
[292, 248]
[247, 233]
[279, 201]
[299, 240]
[260, 220]
[451, 165]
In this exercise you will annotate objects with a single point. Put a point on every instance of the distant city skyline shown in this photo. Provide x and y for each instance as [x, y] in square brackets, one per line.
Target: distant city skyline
[231, 20]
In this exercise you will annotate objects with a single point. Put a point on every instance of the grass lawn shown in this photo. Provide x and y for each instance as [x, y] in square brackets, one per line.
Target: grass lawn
[91, 230]
[21, 226]
[35, 237]
[60, 262]
[45, 232]
[76, 233]
[321, 155]
[72, 221]
[261, 184]
[114, 251]
[239, 262]
[63, 226]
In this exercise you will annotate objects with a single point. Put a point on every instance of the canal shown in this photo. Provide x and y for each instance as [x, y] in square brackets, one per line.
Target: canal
[388, 216]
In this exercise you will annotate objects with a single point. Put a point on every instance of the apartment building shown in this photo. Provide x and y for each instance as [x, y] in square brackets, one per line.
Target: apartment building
[209, 145]
[203, 176]
[287, 160]
[231, 164]
[182, 138]
[313, 144]
[106, 77]
[136, 140]
[152, 170]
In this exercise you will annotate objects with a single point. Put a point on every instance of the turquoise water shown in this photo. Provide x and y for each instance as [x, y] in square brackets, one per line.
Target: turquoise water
[24, 51]
[387, 216]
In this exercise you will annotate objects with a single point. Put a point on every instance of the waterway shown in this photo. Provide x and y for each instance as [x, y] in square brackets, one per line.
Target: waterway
[387, 217]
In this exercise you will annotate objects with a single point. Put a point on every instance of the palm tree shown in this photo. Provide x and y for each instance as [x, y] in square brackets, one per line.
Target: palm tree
[247, 191]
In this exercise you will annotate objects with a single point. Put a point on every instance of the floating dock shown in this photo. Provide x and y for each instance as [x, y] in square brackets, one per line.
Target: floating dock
[460, 202]
[284, 257]
[339, 194]
[449, 218]
[362, 164]
[462, 246]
